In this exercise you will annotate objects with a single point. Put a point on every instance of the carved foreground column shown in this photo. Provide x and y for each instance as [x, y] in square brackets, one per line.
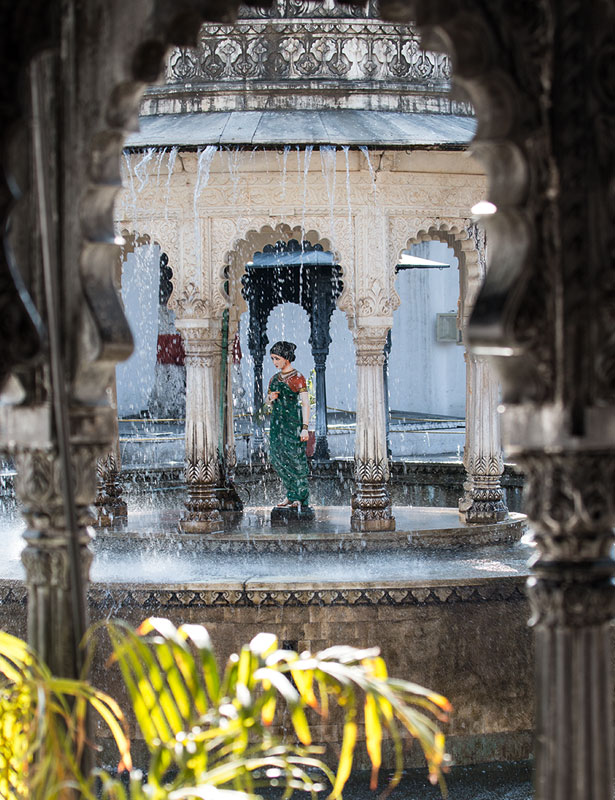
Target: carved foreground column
[371, 503]
[38, 486]
[202, 463]
[482, 499]
[570, 502]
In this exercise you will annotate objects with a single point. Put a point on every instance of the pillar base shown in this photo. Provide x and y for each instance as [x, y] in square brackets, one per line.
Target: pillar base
[110, 512]
[229, 498]
[321, 450]
[482, 505]
[481, 512]
[111, 508]
[371, 502]
[192, 523]
[361, 522]
[202, 510]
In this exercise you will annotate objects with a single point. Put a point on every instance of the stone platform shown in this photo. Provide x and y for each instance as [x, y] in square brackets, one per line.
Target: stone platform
[326, 531]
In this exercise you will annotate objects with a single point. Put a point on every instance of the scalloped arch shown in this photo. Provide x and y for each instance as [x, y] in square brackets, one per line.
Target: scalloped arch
[254, 240]
[455, 234]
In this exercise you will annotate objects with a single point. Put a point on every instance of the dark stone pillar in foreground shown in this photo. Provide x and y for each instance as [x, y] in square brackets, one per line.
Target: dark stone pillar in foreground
[46, 558]
[570, 503]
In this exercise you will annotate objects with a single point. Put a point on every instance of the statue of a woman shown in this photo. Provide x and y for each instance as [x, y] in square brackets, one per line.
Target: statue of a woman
[288, 397]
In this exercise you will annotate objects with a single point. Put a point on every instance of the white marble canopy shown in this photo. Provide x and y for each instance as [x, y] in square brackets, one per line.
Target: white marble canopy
[340, 127]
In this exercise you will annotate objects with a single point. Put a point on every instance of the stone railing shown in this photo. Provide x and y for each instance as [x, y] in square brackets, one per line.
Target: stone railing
[332, 50]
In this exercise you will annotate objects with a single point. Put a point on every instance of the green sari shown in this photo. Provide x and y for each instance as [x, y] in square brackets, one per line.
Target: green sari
[287, 452]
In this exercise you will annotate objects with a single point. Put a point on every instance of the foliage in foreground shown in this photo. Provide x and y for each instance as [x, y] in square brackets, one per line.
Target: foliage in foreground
[43, 732]
[205, 730]
[210, 735]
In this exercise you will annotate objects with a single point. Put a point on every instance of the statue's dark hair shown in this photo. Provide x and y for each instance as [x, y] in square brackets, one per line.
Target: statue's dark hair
[284, 349]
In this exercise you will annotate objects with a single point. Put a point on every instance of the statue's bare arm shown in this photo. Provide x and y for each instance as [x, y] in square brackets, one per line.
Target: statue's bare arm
[304, 399]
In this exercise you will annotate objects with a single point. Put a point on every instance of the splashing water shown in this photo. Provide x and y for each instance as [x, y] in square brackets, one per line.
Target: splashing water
[202, 179]
[170, 167]
[372, 172]
[306, 167]
[327, 165]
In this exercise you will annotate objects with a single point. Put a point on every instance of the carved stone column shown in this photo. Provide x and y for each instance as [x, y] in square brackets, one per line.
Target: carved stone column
[202, 461]
[257, 344]
[38, 486]
[387, 398]
[570, 502]
[371, 503]
[230, 503]
[482, 499]
[321, 447]
[111, 508]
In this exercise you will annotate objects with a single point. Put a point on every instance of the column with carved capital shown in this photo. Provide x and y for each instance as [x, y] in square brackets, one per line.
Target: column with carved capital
[570, 500]
[111, 508]
[46, 558]
[202, 348]
[482, 499]
[371, 503]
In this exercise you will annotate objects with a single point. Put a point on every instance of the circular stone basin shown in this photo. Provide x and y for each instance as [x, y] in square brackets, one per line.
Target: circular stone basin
[445, 602]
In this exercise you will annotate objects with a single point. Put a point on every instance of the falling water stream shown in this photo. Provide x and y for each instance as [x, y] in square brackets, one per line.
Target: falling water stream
[329, 173]
[170, 167]
[306, 168]
[372, 172]
[205, 157]
[346, 148]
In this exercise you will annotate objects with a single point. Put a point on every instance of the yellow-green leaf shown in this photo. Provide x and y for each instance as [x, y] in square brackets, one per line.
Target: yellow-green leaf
[346, 755]
[304, 681]
[373, 738]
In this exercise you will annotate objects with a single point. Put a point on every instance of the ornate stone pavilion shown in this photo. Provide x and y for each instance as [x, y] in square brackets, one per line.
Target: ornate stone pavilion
[212, 189]
[540, 77]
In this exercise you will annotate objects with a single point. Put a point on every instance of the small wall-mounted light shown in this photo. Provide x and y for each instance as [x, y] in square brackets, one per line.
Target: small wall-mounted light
[483, 208]
[119, 240]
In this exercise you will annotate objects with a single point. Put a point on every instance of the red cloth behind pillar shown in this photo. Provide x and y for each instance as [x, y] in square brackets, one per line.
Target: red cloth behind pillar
[170, 349]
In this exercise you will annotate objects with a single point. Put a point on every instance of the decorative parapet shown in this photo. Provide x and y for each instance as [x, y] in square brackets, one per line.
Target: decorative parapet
[309, 50]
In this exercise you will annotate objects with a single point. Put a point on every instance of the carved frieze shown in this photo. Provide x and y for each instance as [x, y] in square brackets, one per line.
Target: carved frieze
[286, 49]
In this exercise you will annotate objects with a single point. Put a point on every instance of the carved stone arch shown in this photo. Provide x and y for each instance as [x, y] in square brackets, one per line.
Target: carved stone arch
[164, 235]
[459, 236]
[260, 233]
